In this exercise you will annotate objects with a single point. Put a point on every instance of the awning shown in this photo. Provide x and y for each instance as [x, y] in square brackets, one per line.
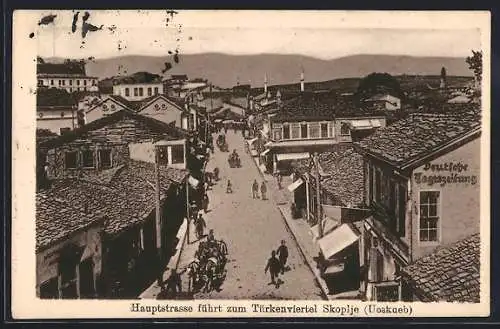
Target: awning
[329, 224]
[228, 121]
[332, 212]
[265, 152]
[292, 156]
[218, 120]
[361, 124]
[268, 144]
[295, 185]
[376, 123]
[337, 240]
[251, 141]
[193, 181]
[334, 268]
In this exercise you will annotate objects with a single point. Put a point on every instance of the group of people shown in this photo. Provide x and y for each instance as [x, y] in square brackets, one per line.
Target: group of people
[255, 190]
[276, 265]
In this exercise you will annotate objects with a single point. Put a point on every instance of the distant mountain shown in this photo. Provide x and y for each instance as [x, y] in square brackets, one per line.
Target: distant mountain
[225, 70]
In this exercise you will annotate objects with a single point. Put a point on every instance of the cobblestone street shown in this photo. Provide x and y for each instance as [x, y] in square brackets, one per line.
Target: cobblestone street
[251, 228]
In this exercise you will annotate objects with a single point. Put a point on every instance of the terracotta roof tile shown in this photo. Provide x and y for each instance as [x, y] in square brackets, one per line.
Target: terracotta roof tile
[57, 218]
[450, 274]
[418, 134]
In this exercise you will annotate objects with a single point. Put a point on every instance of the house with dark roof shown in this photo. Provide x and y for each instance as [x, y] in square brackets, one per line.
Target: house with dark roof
[315, 122]
[451, 274]
[104, 144]
[69, 76]
[132, 236]
[68, 249]
[421, 178]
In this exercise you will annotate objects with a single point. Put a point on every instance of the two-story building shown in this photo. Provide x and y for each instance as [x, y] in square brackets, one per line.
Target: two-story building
[70, 76]
[56, 110]
[315, 122]
[138, 86]
[422, 184]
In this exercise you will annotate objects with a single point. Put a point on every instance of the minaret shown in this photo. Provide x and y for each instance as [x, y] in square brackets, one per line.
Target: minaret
[302, 80]
[265, 83]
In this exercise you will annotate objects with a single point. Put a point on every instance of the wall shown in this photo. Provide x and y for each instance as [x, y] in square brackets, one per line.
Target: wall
[104, 108]
[58, 83]
[459, 202]
[144, 151]
[164, 111]
[55, 124]
[46, 260]
[120, 90]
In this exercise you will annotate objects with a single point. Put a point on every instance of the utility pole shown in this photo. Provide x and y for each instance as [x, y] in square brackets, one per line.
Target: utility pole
[188, 212]
[318, 201]
[159, 230]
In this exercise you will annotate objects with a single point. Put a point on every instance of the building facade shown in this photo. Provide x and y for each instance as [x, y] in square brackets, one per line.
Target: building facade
[57, 119]
[69, 76]
[137, 91]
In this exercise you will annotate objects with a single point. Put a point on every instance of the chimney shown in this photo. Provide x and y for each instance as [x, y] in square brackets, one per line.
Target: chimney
[265, 83]
[302, 81]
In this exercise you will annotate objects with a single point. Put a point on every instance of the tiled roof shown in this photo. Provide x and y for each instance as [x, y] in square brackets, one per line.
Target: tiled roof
[131, 105]
[62, 68]
[450, 274]
[56, 219]
[138, 77]
[417, 135]
[345, 176]
[320, 106]
[125, 195]
[168, 131]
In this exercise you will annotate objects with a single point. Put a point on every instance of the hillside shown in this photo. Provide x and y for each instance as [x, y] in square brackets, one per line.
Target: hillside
[225, 70]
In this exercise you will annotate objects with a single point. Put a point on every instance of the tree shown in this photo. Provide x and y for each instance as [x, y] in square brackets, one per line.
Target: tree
[376, 83]
[475, 62]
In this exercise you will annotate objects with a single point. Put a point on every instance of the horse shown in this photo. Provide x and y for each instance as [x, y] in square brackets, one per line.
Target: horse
[210, 274]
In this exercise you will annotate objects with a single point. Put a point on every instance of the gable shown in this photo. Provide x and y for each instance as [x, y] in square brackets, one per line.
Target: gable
[158, 105]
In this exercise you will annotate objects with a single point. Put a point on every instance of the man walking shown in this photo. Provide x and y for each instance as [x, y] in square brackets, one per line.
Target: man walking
[263, 190]
[273, 266]
[279, 179]
[200, 227]
[255, 189]
[174, 283]
[205, 203]
[282, 255]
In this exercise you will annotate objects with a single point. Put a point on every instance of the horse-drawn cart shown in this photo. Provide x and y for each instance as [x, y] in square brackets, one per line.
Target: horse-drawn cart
[222, 143]
[207, 271]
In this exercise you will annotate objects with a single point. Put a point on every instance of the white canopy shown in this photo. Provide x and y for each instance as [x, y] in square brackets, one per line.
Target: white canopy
[295, 185]
[251, 141]
[265, 152]
[337, 240]
[292, 156]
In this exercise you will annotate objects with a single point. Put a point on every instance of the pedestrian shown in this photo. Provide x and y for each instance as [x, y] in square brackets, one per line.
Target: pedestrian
[263, 190]
[205, 203]
[255, 189]
[282, 255]
[273, 266]
[278, 179]
[200, 226]
[211, 243]
[174, 283]
[229, 188]
[216, 173]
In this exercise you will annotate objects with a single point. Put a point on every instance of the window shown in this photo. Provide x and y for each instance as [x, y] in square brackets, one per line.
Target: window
[127, 92]
[295, 130]
[49, 289]
[67, 270]
[324, 130]
[64, 82]
[429, 216]
[84, 82]
[70, 82]
[303, 130]
[62, 114]
[59, 82]
[314, 130]
[150, 91]
[402, 210]
[77, 82]
[88, 159]
[344, 129]
[277, 134]
[51, 82]
[40, 82]
[136, 92]
[94, 82]
[156, 90]
[71, 160]
[105, 158]
[286, 131]
[84, 88]
[177, 154]
[141, 92]
[70, 90]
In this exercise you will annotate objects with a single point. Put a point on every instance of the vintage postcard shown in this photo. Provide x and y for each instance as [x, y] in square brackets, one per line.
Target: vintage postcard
[177, 163]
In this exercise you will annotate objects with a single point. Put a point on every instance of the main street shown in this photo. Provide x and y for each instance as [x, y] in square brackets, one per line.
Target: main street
[252, 228]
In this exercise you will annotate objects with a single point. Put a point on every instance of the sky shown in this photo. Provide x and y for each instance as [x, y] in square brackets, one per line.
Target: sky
[324, 35]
